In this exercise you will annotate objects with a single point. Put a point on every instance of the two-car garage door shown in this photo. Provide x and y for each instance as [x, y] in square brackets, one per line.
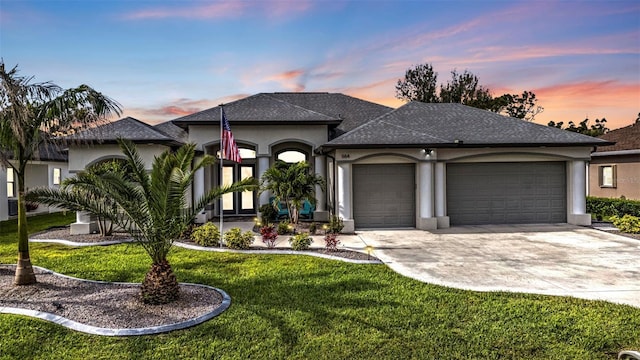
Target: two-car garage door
[506, 193]
[384, 195]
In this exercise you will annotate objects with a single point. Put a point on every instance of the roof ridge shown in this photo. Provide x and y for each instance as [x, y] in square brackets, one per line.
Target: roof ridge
[300, 107]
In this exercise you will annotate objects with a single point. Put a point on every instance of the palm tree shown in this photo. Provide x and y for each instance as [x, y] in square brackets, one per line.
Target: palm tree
[32, 116]
[293, 184]
[151, 206]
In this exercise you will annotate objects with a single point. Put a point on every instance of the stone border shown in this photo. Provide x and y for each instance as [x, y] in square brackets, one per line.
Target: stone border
[74, 325]
[214, 249]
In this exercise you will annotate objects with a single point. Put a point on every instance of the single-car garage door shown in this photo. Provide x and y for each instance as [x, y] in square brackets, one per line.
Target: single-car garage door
[506, 193]
[384, 196]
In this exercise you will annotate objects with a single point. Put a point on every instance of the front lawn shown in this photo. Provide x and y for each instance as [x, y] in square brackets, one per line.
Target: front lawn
[309, 308]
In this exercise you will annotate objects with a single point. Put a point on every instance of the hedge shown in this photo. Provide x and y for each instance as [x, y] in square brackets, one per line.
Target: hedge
[609, 207]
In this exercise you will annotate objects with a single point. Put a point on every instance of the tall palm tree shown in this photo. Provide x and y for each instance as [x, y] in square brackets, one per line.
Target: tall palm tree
[151, 206]
[32, 116]
[293, 184]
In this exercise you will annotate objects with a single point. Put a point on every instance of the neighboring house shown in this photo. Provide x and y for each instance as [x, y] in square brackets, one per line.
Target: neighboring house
[614, 170]
[48, 171]
[424, 166]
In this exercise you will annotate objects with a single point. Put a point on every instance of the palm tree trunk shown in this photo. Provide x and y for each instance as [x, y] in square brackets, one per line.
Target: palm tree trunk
[160, 285]
[24, 271]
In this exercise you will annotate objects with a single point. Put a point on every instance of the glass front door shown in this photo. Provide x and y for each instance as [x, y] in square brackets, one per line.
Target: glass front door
[238, 203]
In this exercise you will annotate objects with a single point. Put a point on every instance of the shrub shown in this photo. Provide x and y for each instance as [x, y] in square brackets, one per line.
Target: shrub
[313, 228]
[186, 234]
[300, 241]
[335, 225]
[269, 235]
[601, 207]
[284, 227]
[331, 241]
[268, 213]
[236, 239]
[206, 235]
[628, 224]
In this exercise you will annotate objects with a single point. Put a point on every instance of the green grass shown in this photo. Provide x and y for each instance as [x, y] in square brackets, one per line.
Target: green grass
[308, 308]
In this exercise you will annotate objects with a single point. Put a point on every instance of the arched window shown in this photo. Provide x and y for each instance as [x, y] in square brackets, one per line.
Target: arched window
[245, 153]
[292, 156]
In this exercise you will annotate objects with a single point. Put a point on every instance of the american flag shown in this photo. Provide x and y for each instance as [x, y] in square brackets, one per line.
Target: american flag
[229, 146]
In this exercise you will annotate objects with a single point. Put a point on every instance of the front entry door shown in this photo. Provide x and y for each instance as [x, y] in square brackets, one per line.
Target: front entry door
[238, 203]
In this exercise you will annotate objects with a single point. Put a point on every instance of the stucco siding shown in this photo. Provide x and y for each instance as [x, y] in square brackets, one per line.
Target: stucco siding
[81, 156]
[627, 177]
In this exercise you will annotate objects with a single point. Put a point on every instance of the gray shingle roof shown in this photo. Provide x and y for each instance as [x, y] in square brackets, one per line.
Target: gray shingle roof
[257, 109]
[353, 111]
[448, 125]
[129, 128]
[170, 129]
[299, 108]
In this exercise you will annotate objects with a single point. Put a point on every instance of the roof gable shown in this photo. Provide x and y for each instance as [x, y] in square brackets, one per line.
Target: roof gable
[449, 124]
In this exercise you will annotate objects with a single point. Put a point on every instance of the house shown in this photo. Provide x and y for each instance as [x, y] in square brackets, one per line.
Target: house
[614, 170]
[424, 166]
[100, 144]
[47, 171]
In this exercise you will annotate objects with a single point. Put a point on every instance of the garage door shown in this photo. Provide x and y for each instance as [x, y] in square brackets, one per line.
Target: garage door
[506, 193]
[384, 196]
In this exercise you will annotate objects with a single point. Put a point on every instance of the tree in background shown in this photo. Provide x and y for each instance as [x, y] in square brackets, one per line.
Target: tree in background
[596, 129]
[151, 206]
[420, 84]
[32, 116]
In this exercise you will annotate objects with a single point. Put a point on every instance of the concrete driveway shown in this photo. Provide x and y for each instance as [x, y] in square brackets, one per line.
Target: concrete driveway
[543, 259]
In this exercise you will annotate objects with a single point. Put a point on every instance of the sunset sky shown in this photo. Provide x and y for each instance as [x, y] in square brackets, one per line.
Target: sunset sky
[165, 59]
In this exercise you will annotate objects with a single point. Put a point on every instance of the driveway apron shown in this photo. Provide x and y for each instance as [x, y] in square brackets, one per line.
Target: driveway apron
[559, 259]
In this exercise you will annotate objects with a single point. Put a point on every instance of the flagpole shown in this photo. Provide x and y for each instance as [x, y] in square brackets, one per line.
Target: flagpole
[221, 175]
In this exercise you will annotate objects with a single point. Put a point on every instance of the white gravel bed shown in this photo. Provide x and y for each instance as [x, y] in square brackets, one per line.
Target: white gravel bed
[104, 304]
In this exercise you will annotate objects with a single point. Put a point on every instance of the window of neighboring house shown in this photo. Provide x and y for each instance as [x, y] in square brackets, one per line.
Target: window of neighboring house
[292, 156]
[56, 176]
[11, 183]
[607, 176]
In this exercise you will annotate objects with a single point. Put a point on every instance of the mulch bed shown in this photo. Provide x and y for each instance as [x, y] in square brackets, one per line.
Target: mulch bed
[62, 233]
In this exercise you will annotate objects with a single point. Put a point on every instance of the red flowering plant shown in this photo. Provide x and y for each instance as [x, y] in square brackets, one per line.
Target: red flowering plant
[331, 241]
[269, 235]
[331, 233]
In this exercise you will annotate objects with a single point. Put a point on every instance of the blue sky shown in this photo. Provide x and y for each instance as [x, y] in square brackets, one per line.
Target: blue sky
[164, 59]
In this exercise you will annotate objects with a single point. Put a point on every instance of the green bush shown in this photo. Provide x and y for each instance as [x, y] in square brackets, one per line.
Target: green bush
[335, 225]
[284, 227]
[605, 207]
[236, 239]
[628, 224]
[206, 235]
[300, 241]
[268, 213]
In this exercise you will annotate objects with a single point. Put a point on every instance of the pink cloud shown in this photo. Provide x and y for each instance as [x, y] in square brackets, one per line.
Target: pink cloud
[216, 10]
[224, 9]
[616, 101]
